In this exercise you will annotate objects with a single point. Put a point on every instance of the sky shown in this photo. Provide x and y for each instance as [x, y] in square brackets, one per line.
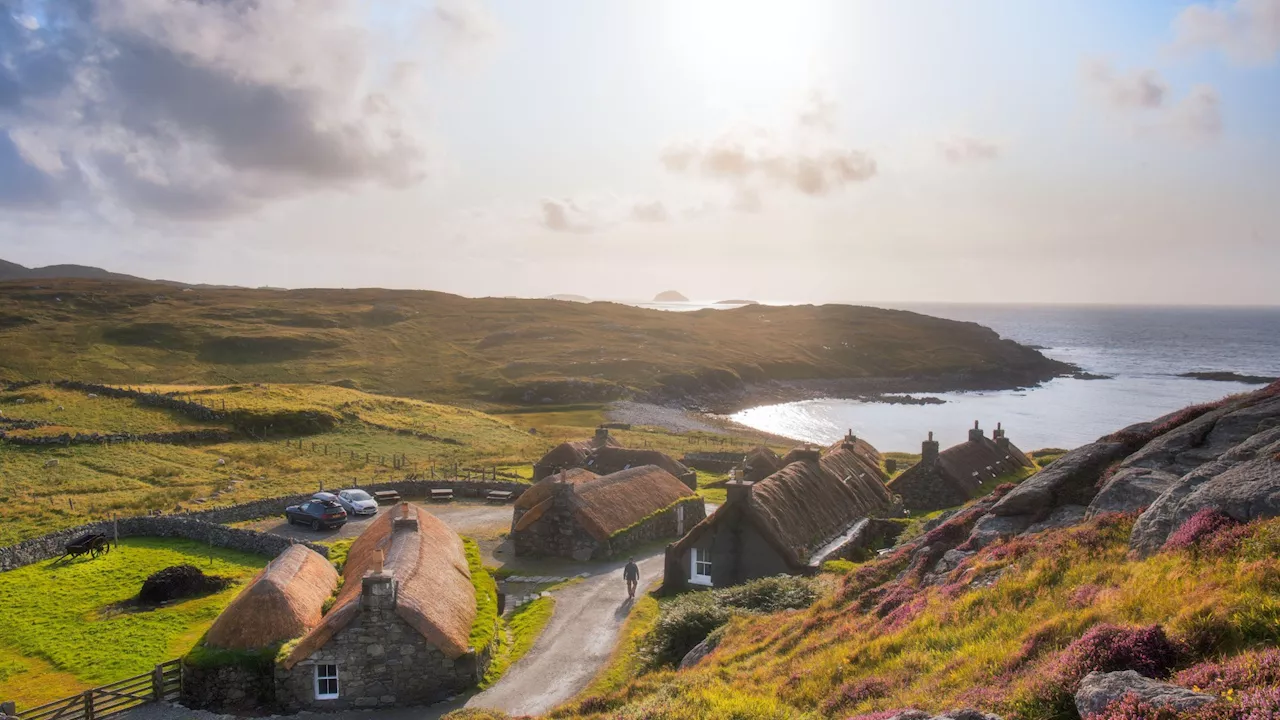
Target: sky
[795, 151]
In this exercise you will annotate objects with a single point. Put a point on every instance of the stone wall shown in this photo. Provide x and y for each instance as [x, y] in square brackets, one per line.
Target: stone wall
[185, 437]
[718, 462]
[558, 534]
[382, 662]
[924, 488]
[207, 525]
[52, 545]
[662, 526]
[228, 688]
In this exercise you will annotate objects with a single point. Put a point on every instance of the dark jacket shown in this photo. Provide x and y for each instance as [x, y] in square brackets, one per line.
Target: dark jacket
[631, 572]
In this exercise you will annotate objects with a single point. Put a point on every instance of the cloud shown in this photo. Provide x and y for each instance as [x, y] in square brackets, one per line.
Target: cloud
[652, 212]
[1139, 89]
[809, 161]
[1246, 31]
[1141, 99]
[964, 150]
[1199, 115]
[463, 27]
[206, 109]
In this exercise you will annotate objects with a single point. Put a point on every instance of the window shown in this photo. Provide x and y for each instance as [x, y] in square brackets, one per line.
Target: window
[326, 682]
[700, 567]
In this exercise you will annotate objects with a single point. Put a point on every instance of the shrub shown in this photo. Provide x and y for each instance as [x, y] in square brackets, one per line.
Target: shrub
[1245, 671]
[855, 692]
[1199, 527]
[688, 619]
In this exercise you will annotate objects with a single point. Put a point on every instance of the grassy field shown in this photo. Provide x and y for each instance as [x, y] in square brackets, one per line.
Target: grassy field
[449, 348]
[62, 632]
[75, 412]
[1014, 647]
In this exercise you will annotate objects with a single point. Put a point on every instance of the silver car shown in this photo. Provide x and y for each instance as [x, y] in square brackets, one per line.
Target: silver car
[357, 502]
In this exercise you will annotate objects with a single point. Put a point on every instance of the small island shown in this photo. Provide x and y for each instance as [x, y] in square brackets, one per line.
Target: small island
[670, 296]
[1227, 376]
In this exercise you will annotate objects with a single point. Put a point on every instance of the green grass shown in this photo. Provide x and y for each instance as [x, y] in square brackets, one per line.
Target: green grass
[59, 634]
[80, 413]
[449, 348]
[521, 631]
[626, 661]
[338, 550]
[485, 626]
[989, 647]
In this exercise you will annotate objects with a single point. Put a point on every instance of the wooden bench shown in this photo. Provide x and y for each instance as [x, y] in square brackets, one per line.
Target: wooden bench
[441, 494]
[498, 496]
[387, 497]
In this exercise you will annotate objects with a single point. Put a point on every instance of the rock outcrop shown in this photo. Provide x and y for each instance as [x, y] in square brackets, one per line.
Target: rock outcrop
[1099, 690]
[1223, 456]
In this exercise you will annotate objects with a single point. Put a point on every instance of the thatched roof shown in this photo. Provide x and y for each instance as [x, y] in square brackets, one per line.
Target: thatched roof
[609, 503]
[807, 503]
[575, 453]
[434, 593]
[760, 463]
[965, 466]
[281, 603]
[613, 459]
[541, 490]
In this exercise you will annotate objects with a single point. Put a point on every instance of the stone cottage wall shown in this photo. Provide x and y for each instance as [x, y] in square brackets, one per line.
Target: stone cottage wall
[382, 662]
[659, 527]
[924, 489]
[555, 534]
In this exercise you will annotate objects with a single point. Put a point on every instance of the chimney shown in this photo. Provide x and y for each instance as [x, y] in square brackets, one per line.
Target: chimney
[737, 491]
[806, 454]
[850, 440]
[929, 451]
[602, 436]
[1002, 442]
[378, 591]
[975, 434]
[406, 522]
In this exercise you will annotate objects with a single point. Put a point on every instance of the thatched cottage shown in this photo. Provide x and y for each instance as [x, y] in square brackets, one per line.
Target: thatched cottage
[603, 455]
[955, 475]
[584, 516]
[397, 632]
[815, 508]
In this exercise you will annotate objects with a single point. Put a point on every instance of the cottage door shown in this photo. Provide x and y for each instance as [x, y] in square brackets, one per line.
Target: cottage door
[680, 520]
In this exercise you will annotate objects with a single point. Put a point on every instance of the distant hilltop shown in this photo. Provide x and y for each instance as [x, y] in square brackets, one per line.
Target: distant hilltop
[670, 296]
[14, 271]
[568, 298]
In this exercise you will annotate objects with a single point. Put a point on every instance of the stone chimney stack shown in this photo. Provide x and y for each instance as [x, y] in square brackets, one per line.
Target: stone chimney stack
[406, 522]
[929, 451]
[850, 440]
[975, 433]
[737, 491]
[378, 591]
[998, 435]
[602, 436]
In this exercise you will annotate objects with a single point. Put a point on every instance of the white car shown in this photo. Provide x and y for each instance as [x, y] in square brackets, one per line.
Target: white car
[358, 502]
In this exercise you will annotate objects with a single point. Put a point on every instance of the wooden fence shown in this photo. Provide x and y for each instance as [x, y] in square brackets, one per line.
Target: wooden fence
[162, 683]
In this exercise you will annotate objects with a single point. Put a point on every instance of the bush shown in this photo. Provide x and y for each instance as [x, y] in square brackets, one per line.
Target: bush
[688, 619]
[178, 582]
[1199, 527]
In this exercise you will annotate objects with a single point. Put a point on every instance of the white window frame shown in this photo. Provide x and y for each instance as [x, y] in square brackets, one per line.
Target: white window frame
[697, 557]
[337, 689]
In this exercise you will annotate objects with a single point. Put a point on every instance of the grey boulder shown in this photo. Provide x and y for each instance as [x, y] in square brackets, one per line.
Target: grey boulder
[1069, 480]
[1099, 689]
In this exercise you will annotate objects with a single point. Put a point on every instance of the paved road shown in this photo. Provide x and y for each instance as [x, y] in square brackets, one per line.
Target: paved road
[575, 645]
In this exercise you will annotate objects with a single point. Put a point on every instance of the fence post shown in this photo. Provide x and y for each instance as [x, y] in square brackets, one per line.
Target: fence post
[9, 708]
[88, 705]
[157, 684]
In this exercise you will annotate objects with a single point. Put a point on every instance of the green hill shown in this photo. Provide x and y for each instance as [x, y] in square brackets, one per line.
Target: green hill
[444, 347]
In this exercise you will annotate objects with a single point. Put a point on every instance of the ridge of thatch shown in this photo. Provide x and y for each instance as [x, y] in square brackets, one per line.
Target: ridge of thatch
[541, 490]
[282, 602]
[619, 500]
[434, 594]
[965, 466]
[805, 504]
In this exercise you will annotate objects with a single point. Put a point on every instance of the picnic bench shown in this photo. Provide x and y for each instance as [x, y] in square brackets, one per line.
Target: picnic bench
[386, 497]
[498, 496]
[441, 494]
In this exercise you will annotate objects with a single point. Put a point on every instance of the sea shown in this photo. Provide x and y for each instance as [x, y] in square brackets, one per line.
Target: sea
[1141, 351]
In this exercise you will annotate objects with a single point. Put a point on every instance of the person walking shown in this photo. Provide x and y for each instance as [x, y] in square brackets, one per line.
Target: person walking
[631, 573]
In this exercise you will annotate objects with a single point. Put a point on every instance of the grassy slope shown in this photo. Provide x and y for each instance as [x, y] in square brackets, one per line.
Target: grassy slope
[445, 347]
[520, 631]
[56, 640]
[94, 481]
[993, 647]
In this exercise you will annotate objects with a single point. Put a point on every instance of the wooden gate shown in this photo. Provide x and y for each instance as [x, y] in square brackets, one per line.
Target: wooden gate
[162, 683]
